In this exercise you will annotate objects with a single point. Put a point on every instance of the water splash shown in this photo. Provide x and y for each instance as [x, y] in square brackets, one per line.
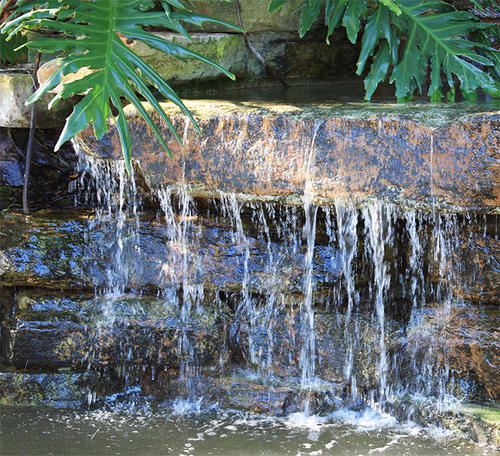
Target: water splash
[400, 255]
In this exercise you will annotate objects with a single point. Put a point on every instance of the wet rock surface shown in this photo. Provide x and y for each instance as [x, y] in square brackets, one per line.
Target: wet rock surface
[55, 332]
[212, 303]
[57, 389]
[447, 159]
[466, 340]
[50, 176]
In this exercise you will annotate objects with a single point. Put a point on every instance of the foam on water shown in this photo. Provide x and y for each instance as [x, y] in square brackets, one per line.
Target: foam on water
[365, 420]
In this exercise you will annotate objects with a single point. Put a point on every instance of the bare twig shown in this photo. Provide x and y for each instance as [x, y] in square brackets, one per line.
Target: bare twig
[251, 47]
[31, 140]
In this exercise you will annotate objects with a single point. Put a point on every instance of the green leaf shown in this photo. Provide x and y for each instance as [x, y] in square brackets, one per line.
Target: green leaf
[355, 9]
[334, 12]
[378, 69]
[275, 5]
[309, 14]
[378, 27]
[393, 6]
[446, 43]
[89, 37]
[10, 48]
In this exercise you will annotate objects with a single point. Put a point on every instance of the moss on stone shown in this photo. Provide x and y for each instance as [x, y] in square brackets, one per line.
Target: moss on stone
[227, 50]
[487, 413]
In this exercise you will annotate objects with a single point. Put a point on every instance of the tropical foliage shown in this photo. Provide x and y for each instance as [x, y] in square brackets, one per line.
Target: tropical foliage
[409, 40]
[91, 34]
[405, 41]
[8, 48]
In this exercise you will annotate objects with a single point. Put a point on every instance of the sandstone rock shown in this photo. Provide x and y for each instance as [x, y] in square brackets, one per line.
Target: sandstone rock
[16, 88]
[282, 352]
[60, 257]
[263, 150]
[69, 252]
[227, 50]
[478, 278]
[470, 421]
[235, 391]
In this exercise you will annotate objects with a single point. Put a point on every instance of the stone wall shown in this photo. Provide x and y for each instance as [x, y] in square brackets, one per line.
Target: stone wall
[420, 156]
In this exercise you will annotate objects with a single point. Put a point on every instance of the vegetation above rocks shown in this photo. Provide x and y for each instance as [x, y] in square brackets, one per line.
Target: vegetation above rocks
[409, 41]
[94, 34]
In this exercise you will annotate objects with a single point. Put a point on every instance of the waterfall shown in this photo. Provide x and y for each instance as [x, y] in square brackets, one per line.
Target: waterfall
[308, 353]
[312, 293]
[379, 230]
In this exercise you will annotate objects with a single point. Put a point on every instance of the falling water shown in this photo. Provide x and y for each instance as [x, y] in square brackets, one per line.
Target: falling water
[179, 270]
[347, 222]
[117, 205]
[308, 353]
[379, 229]
[289, 260]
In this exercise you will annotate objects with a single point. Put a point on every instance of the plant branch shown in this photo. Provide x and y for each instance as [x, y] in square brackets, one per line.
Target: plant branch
[31, 141]
[252, 48]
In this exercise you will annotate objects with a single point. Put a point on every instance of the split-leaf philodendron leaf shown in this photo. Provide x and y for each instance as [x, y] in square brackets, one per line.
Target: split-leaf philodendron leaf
[8, 48]
[88, 35]
[415, 39]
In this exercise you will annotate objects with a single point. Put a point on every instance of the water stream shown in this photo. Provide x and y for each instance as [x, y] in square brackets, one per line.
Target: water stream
[345, 301]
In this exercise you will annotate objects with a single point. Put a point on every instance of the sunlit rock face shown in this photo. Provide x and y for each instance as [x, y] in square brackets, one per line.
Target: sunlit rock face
[465, 340]
[428, 158]
[16, 88]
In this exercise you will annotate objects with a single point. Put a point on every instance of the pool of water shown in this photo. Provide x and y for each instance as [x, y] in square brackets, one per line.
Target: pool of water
[183, 428]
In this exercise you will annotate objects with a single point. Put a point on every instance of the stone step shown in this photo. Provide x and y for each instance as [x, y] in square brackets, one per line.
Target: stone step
[73, 250]
[426, 156]
[60, 331]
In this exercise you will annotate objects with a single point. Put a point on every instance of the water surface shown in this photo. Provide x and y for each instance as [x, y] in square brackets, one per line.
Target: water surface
[137, 429]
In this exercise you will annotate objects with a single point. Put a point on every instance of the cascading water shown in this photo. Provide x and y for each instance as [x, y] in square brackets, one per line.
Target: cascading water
[313, 290]
[379, 229]
[333, 320]
[347, 222]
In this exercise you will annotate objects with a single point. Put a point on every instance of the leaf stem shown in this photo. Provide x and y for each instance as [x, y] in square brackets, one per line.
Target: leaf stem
[252, 48]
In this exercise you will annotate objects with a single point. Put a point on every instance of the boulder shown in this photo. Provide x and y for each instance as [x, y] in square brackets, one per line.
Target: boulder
[268, 151]
[16, 88]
